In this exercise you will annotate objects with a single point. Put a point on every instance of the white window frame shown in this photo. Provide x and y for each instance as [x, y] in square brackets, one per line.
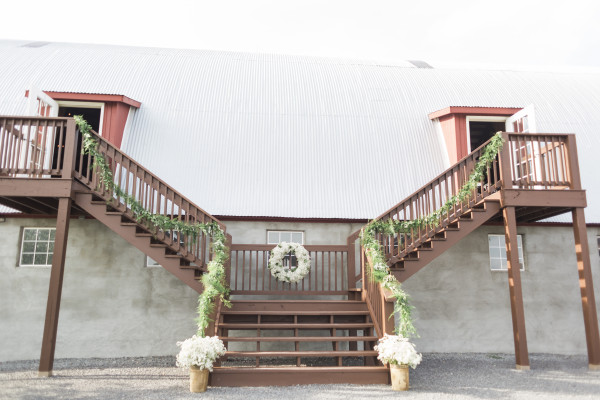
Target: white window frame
[283, 231]
[38, 99]
[481, 118]
[22, 245]
[85, 104]
[502, 247]
[151, 263]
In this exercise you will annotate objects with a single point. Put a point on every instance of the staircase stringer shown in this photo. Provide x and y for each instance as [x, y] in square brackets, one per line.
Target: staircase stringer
[452, 237]
[142, 243]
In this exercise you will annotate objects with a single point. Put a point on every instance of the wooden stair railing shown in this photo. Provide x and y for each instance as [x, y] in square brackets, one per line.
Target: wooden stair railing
[154, 194]
[35, 148]
[526, 162]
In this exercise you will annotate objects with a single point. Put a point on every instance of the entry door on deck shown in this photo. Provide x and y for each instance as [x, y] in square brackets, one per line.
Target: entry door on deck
[39, 141]
[40, 104]
[524, 156]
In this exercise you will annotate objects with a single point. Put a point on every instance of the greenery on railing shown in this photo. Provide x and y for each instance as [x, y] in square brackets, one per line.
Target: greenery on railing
[214, 280]
[380, 272]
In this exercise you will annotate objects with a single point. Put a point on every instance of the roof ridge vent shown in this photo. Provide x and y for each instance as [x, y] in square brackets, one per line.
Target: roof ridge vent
[35, 44]
[420, 64]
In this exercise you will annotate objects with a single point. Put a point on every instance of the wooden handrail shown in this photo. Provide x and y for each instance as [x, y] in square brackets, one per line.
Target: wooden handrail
[526, 161]
[154, 194]
[50, 147]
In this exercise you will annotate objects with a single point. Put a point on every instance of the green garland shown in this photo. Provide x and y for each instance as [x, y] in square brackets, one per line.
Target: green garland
[214, 281]
[381, 272]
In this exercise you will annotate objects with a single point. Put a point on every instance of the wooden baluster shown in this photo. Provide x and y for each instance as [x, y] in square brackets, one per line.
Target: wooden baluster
[563, 158]
[256, 281]
[3, 139]
[540, 166]
[555, 146]
[243, 269]
[335, 259]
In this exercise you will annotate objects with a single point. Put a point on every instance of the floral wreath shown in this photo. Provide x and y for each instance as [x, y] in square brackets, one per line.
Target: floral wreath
[293, 274]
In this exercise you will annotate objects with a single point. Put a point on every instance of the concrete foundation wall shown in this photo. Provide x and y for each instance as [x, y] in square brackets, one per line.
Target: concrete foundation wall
[463, 306]
[112, 305]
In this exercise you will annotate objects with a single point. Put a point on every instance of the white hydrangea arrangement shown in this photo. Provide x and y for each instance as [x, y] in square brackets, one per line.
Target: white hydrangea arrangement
[397, 350]
[200, 351]
[290, 275]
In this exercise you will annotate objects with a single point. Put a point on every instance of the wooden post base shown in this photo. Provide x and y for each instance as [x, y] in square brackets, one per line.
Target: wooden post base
[594, 367]
[522, 367]
[44, 374]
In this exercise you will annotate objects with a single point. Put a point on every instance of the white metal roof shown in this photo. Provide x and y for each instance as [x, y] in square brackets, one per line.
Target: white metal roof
[287, 136]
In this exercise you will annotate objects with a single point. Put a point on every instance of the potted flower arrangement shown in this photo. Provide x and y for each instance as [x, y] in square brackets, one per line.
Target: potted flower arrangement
[199, 354]
[400, 353]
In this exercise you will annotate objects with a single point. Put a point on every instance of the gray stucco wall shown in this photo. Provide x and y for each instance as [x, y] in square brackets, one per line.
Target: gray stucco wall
[461, 305]
[113, 305]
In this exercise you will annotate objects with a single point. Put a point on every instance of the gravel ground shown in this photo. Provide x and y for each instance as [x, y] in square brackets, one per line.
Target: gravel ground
[440, 376]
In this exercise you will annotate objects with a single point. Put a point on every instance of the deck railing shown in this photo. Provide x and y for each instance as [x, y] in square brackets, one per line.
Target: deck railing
[30, 146]
[328, 273]
[35, 147]
[539, 161]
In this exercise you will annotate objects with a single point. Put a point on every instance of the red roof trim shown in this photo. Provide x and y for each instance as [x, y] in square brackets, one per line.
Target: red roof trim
[94, 97]
[474, 111]
[289, 219]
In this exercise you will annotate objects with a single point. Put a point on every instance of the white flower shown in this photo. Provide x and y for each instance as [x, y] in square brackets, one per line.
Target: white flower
[380, 267]
[397, 350]
[200, 351]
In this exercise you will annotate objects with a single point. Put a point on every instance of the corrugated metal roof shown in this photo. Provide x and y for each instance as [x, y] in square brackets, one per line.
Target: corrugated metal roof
[7, 210]
[273, 135]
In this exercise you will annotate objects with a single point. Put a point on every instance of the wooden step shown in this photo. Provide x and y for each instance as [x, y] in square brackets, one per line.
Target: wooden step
[300, 339]
[294, 354]
[129, 223]
[288, 376]
[357, 325]
[174, 256]
[440, 236]
[295, 312]
[114, 212]
[298, 305]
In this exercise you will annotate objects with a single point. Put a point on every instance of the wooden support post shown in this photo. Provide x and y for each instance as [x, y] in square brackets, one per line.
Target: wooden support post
[351, 267]
[588, 302]
[387, 308]
[514, 286]
[584, 268]
[55, 289]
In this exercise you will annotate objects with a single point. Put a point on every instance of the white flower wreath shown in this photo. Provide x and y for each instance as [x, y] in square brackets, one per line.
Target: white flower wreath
[292, 274]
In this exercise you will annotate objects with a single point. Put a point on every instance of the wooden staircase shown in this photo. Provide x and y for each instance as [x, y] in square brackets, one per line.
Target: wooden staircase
[138, 235]
[444, 237]
[297, 342]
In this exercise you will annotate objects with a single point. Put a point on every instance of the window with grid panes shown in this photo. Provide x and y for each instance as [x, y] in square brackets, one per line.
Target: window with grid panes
[37, 247]
[276, 237]
[497, 247]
